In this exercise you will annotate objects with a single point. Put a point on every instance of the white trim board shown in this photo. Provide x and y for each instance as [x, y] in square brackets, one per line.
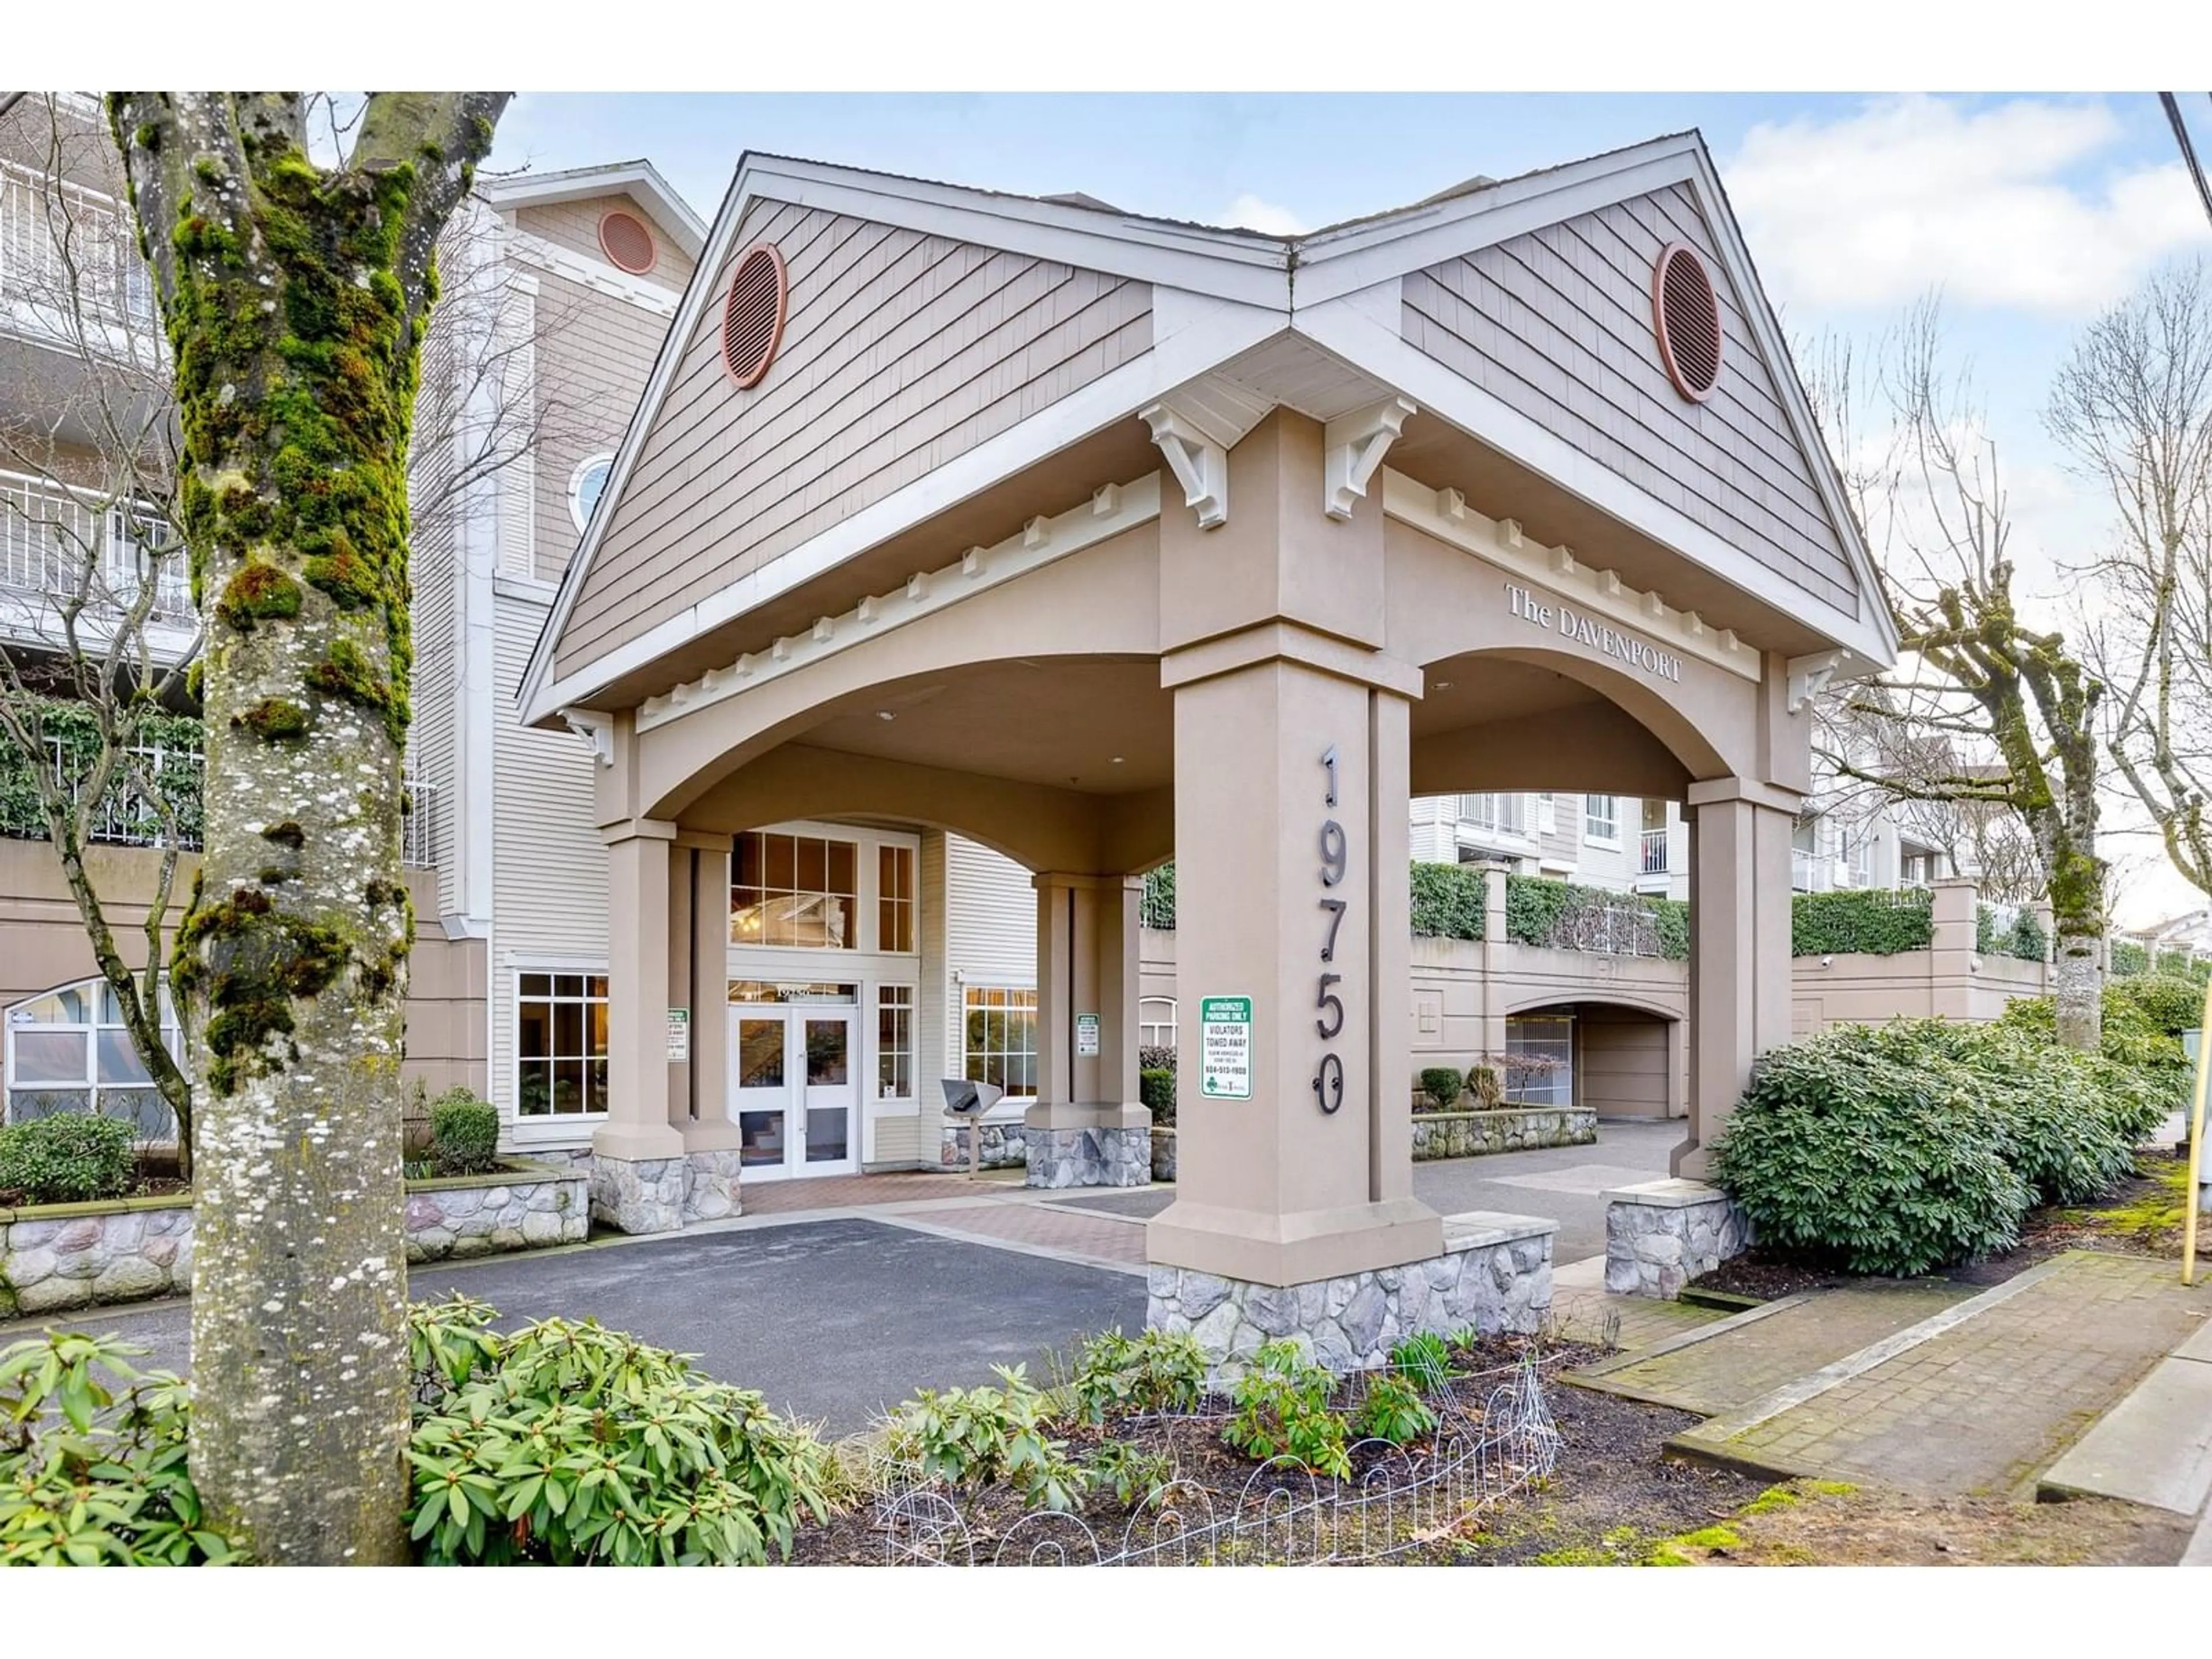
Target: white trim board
[1110, 510]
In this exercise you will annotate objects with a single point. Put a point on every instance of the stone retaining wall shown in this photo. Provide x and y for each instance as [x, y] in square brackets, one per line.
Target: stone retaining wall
[1508, 1129]
[1662, 1234]
[659, 1194]
[1495, 1274]
[58, 1257]
[517, 1208]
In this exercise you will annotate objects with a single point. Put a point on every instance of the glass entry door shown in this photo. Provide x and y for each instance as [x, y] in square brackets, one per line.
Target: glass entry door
[794, 1090]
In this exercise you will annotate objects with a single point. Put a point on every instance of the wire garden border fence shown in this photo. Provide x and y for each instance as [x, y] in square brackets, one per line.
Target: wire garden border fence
[1283, 1516]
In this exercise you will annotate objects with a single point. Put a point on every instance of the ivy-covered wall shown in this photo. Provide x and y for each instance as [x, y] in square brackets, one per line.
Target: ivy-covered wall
[75, 732]
[1449, 900]
[1564, 916]
[1875, 922]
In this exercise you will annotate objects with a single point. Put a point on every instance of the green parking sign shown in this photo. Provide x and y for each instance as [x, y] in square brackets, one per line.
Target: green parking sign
[1224, 1047]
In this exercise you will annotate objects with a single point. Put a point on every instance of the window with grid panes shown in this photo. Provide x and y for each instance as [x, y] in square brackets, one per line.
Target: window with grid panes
[895, 898]
[560, 1044]
[999, 1042]
[800, 891]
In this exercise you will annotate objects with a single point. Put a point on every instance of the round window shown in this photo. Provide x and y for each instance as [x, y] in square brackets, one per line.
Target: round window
[585, 488]
[1686, 314]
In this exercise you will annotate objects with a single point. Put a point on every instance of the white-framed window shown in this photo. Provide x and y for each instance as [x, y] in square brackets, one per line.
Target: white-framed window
[585, 485]
[894, 1042]
[1601, 819]
[68, 1052]
[1547, 814]
[1540, 1059]
[559, 1044]
[800, 891]
[998, 1037]
[895, 905]
[1156, 1022]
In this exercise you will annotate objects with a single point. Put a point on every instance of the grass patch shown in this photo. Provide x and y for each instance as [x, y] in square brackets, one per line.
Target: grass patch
[2150, 1217]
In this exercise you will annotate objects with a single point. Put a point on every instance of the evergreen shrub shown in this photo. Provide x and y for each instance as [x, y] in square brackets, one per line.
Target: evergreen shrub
[463, 1134]
[71, 1157]
[1871, 922]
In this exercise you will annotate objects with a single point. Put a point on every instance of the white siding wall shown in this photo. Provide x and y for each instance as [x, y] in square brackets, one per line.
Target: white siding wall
[990, 928]
[549, 884]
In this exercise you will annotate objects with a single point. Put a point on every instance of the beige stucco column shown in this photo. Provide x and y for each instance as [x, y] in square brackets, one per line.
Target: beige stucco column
[1741, 984]
[1087, 933]
[1954, 923]
[638, 871]
[699, 967]
[1291, 895]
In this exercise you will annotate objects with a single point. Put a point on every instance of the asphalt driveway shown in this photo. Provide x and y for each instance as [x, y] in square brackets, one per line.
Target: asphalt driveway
[832, 1321]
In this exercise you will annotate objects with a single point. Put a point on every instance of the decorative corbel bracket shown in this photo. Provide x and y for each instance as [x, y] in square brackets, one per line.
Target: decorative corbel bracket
[596, 729]
[1200, 464]
[1353, 446]
[1809, 675]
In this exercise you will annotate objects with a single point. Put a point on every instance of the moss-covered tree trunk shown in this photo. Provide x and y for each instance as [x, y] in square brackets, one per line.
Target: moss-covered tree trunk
[296, 298]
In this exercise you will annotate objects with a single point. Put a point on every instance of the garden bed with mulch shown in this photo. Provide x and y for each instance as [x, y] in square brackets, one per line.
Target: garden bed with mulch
[1609, 1475]
[2142, 1215]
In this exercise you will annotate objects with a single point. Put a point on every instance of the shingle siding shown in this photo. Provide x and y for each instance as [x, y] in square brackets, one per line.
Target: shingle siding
[902, 352]
[1557, 325]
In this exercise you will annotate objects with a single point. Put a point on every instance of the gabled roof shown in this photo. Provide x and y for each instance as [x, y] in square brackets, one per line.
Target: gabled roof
[1273, 281]
[639, 179]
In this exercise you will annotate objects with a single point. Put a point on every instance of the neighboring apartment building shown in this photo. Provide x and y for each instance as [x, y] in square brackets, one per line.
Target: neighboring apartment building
[864, 961]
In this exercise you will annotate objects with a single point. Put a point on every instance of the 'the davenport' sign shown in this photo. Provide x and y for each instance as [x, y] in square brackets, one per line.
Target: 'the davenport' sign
[1601, 637]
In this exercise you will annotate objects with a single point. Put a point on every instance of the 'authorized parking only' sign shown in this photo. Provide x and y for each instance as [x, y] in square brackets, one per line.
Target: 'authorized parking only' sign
[1224, 1050]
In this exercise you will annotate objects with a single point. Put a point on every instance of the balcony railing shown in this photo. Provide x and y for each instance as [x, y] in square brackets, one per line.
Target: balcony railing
[1502, 815]
[418, 826]
[1652, 860]
[49, 536]
[68, 254]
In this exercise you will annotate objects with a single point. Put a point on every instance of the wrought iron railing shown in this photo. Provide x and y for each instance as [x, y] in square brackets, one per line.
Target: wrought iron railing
[1652, 861]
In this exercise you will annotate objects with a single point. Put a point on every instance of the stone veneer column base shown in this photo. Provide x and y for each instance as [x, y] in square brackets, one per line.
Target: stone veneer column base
[1662, 1234]
[1089, 1158]
[659, 1194]
[1495, 1274]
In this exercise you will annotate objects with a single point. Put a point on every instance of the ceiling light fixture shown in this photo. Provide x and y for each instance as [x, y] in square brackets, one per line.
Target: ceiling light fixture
[1117, 760]
[885, 714]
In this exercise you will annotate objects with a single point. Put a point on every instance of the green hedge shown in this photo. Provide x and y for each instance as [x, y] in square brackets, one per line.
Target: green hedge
[1449, 900]
[1874, 922]
[69, 1158]
[2025, 939]
[2129, 957]
[76, 730]
[1156, 1087]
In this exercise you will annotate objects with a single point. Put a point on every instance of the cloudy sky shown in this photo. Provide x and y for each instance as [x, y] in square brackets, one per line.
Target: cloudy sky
[2029, 213]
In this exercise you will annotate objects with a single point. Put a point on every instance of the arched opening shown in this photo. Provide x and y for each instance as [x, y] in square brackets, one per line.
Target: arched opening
[68, 1052]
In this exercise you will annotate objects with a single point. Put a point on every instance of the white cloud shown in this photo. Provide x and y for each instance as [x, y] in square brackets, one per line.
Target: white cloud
[1249, 212]
[1914, 192]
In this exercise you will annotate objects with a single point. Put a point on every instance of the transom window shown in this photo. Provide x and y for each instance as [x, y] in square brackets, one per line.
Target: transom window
[560, 1044]
[894, 1042]
[797, 890]
[68, 1052]
[1156, 1022]
[895, 898]
[1000, 1037]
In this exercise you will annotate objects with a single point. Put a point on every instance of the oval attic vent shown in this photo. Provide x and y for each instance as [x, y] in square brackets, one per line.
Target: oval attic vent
[753, 314]
[1686, 315]
[627, 243]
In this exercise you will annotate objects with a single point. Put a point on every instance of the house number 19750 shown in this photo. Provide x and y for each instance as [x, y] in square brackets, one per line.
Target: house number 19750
[1329, 1075]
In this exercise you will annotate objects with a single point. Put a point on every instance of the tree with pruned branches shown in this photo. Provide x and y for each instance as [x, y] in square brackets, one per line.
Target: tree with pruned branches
[2133, 406]
[295, 297]
[1988, 712]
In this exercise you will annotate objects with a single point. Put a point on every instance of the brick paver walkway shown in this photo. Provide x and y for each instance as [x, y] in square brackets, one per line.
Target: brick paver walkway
[1094, 1238]
[1757, 1355]
[1982, 1407]
[860, 1192]
[1632, 1323]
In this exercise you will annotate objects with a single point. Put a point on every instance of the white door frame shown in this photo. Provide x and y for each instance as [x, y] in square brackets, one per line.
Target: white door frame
[794, 1097]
